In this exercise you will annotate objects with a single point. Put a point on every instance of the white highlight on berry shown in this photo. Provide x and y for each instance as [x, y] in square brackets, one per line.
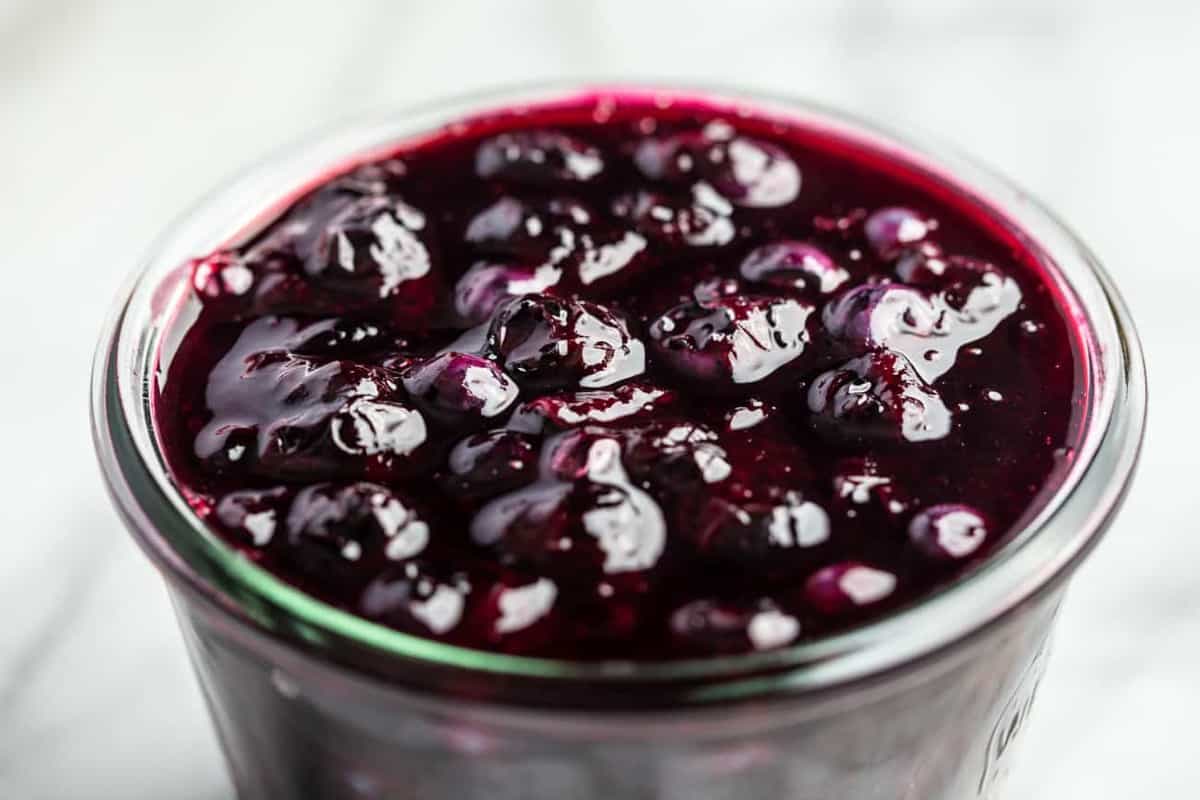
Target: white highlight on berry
[401, 256]
[866, 585]
[797, 523]
[407, 535]
[261, 525]
[522, 606]
[771, 629]
[627, 523]
[379, 427]
[496, 395]
[441, 611]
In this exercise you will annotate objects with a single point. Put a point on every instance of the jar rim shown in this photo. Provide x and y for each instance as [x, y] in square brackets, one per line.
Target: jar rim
[1036, 557]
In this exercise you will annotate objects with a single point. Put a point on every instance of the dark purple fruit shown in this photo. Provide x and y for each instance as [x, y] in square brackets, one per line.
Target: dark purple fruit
[699, 218]
[750, 172]
[847, 587]
[549, 343]
[333, 527]
[539, 157]
[793, 267]
[622, 405]
[487, 464]
[738, 339]
[948, 532]
[460, 389]
[706, 627]
[877, 397]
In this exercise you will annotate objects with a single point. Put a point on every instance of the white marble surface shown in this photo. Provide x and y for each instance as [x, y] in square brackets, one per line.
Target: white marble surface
[115, 117]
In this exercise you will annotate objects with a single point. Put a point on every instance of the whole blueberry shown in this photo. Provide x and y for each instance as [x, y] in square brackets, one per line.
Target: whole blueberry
[460, 389]
[732, 338]
[848, 586]
[539, 157]
[948, 531]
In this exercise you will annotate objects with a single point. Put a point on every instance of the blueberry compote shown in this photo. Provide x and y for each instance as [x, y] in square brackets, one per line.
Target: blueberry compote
[617, 379]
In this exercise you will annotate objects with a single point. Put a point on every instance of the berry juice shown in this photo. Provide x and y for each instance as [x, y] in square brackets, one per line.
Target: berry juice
[622, 382]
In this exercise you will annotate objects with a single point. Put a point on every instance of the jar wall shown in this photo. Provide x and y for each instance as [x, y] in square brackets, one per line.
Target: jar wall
[942, 726]
[295, 726]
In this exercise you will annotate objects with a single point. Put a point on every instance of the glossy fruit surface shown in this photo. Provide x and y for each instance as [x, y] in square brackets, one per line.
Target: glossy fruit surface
[669, 384]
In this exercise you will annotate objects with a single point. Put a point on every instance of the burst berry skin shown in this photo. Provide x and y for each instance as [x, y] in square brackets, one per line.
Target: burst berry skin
[538, 157]
[848, 587]
[732, 339]
[460, 389]
[677, 384]
[548, 343]
[950, 531]
[877, 397]
[794, 267]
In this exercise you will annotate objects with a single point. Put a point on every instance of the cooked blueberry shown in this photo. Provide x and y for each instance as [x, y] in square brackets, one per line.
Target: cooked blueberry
[873, 315]
[280, 287]
[750, 414]
[897, 317]
[605, 261]
[865, 491]
[398, 360]
[848, 586]
[460, 389]
[485, 286]
[375, 250]
[948, 532]
[531, 524]
[565, 239]
[417, 597]
[710, 627]
[340, 338]
[739, 339]
[768, 457]
[623, 405]
[253, 514]
[538, 157]
[292, 417]
[421, 391]
[671, 158]
[546, 343]
[516, 613]
[977, 292]
[532, 232]
[877, 397]
[385, 434]
[330, 527]
[760, 531]
[222, 277]
[794, 266]
[677, 456]
[584, 518]
[749, 171]
[927, 329]
[698, 218]
[715, 290]
[754, 173]
[891, 230]
[487, 464]
[922, 264]
[375, 178]
[265, 278]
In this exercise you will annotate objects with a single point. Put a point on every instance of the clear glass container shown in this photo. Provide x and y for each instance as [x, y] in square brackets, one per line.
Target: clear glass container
[311, 701]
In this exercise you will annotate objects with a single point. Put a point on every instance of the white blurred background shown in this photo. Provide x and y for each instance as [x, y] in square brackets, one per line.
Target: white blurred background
[115, 117]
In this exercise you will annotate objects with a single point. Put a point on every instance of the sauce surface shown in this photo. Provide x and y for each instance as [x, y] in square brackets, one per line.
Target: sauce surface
[622, 381]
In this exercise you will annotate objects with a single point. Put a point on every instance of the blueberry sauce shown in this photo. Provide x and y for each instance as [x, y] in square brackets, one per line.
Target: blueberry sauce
[609, 379]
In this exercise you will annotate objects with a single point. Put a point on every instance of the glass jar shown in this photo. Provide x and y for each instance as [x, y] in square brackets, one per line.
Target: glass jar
[311, 701]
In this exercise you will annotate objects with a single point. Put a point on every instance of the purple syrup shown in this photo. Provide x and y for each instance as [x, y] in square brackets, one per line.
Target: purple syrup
[676, 383]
